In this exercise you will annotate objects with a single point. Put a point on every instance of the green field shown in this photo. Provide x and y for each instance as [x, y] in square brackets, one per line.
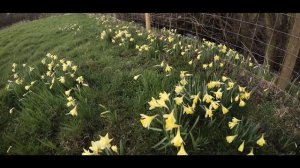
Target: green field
[39, 124]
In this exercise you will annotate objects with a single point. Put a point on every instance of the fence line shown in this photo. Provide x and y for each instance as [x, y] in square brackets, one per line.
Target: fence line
[266, 37]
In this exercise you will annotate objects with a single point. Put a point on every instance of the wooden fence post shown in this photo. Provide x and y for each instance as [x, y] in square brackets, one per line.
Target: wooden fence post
[148, 21]
[291, 55]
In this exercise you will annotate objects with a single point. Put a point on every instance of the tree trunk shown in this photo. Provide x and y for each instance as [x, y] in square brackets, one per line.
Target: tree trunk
[291, 55]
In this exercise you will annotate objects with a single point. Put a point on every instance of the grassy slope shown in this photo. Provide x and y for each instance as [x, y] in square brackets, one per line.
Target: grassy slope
[108, 69]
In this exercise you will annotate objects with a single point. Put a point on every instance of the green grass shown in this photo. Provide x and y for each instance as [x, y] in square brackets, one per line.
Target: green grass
[40, 125]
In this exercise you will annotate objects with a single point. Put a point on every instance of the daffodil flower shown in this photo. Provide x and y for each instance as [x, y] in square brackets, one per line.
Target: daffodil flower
[95, 147]
[114, 148]
[153, 104]
[241, 147]
[170, 121]
[137, 76]
[177, 140]
[208, 113]
[164, 96]
[207, 98]
[251, 152]
[229, 139]
[80, 80]
[218, 94]
[73, 112]
[242, 103]
[86, 152]
[233, 122]
[62, 79]
[224, 109]
[67, 93]
[224, 78]
[188, 110]
[161, 103]
[178, 89]
[74, 68]
[216, 58]
[261, 141]
[214, 105]
[183, 82]
[182, 151]
[104, 142]
[178, 100]
[146, 120]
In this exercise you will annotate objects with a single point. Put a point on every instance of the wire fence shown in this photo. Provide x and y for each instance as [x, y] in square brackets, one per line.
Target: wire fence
[272, 39]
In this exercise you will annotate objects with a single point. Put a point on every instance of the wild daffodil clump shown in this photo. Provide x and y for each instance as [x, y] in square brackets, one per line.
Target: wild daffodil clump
[210, 101]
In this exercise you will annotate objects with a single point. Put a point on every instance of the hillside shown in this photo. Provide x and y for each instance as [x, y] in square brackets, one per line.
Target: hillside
[120, 79]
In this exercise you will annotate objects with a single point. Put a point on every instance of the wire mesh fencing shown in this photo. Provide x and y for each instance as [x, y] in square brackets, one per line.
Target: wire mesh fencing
[271, 39]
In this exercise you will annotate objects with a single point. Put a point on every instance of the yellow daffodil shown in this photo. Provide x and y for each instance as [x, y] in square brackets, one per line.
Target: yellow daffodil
[251, 152]
[137, 76]
[236, 98]
[261, 141]
[216, 58]
[230, 85]
[67, 93]
[242, 103]
[86, 152]
[170, 121]
[153, 104]
[164, 96]
[62, 61]
[208, 113]
[250, 64]
[237, 57]
[62, 79]
[19, 81]
[229, 139]
[80, 80]
[73, 112]
[224, 109]
[221, 64]
[177, 140]
[214, 105]
[178, 89]
[161, 103]
[204, 66]
[104, 142]
[69, 63]
[114, 148]
[210, 65]
[178, 100]
[74, 68]
[183, 82]
[218, 94]
[242, 89]
[190, 62]
[211, 84]
[188, 110]
[43, 61]
[241, 147]
[245, 95]
[182, 151]
[27, 87]
[224, 78]
[168, 68]
[146, 120]
[207, 98]
[95, 147]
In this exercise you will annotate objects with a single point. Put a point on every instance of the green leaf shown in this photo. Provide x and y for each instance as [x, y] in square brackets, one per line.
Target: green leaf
[160, 142]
